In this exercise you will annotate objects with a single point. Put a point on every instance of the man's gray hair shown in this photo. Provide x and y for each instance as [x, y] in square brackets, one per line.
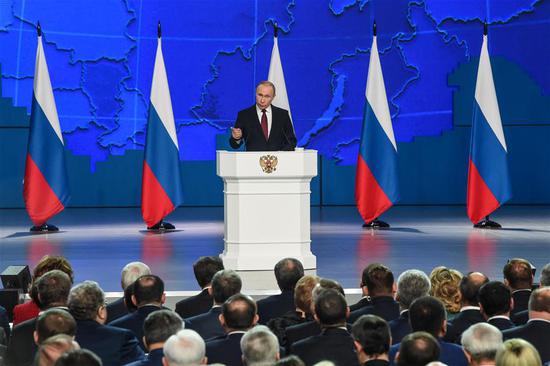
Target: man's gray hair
[411, 285]
[131, 272]
[482, 341]
[545, 275]
[185, 348]
[259, 346]
[85, 299]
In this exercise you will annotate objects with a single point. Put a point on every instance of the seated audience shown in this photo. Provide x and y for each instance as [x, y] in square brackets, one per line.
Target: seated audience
[259, 347]
[115, 346]
[287, 273]
[517, 352]
[79, 357]
[185, 348]
[445, 286]
[521, 317]
[53, 322]
[372, 340]
[518, 275]
[53, 347]
[290, 361]
[417, 349]
[204, 268]
[545, 275]
[480, 343]
[495, 302]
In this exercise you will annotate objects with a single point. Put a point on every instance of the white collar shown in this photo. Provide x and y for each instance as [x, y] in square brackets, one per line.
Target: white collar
[267, 110]
[538, 320]
[498, 317]
[464, 308]
[522, 289]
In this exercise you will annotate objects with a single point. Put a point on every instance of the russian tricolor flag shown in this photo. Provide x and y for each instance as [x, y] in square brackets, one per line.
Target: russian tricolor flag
[161, 190]
[376, 187]
[45, 188]
[488, 179]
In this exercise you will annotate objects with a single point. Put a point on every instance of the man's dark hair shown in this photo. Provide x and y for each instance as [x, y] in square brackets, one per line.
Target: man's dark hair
[205, 268]
[54, 321]
[378, 279]
[239, 312]
[469, 288]
[373, 333]
[327, 283]
[519, 273]
[494, 297]
[79, 357]
[128, 293]
[331, 308]
[287, 272]
[160, 325]
[148, 289]
[427, 314]
[418, 349]
[53, 288]
[225, 284]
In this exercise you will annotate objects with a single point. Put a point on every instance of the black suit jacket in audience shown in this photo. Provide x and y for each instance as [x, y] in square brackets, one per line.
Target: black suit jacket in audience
[333, 344]
[194, 305]
[520, 318]
[115, 346]
[298, 332]
[225, 349]
[400, 327]
[501, 323]
[536, 332]
[521, 300]
[275, 306]
[376, 363]
[116, 309]
[134, 322]
[21, 347]
[5, 322]
[365, 301]
[383, 306]
[460, 323]
[208, 324]
[154, 358]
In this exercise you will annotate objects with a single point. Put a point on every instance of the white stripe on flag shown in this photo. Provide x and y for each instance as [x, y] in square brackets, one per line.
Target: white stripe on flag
[277, 77]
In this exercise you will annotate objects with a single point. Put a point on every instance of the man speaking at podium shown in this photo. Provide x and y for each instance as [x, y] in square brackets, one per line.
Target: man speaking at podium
[263, 127]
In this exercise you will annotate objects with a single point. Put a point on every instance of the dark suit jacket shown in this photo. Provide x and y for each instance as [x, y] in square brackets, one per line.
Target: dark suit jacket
[333, 344]
[400, 327]
[154, 358]
[376, 363]
[134, 322]
[194, 305]
[535, 332]
[520, 318]
[462, 322]
[225, 349]
[116, 309]
[501, 323]
[383, 306]
[207, 325]
[365, 301]
[281, 136]
[450, 354]
[275, 306]
[298, 332]
[5, 322]
[521, 300]
[115, 346]
[21, 347]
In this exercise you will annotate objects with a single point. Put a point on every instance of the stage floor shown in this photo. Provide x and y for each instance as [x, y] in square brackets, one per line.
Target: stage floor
[99, 242]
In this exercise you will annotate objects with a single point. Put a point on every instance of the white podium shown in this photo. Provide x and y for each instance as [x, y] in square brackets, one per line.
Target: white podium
[266, 207]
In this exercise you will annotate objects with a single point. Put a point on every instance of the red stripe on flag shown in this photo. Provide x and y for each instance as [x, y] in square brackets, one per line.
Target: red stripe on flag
[155, 203]
[480, 200]
[370, 198]
[40, 200]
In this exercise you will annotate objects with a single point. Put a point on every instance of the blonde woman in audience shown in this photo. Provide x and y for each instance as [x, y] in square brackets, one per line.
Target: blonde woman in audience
[52, 348]
[445, 283]
[517, 352]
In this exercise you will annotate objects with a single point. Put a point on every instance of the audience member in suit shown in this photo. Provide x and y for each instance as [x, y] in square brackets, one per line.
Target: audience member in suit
[287, 272]
[518, 275]
[80, 357]
[518, 352]
[427, 314]
[259, 347]
[418, 349]
[411, 285]
[186, 347]
[495, 302]
[335, 343]
[545, 275]
[53, 347]
[470, 313]
[238, 315]
[445, 286]
[157, 328]
[114, 346]
[225, 284]
[148, 297]
[53, 289]
[204, 268]
[53, 322]
[372, 340]
[480, 343]
[130, 273]
[380, 287]
[537, 329]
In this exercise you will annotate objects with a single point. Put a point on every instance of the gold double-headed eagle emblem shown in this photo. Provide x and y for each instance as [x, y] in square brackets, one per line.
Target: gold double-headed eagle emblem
[268, 163]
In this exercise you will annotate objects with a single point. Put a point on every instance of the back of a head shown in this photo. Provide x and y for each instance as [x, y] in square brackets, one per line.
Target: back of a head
[482, 341]
[259, 346]
[239, 312]
[326, 284]
[494, 297]
[469, 287]
[411, 285]
[445, 283]
[378, 279]
[205, 268]
[53, 288]
[517, 352]
[545, 275]
[331, 308]
[148, 289]
[427, 314]
[518, 274]
[290, 361]
[287, 272]
[54, 321]
[373, 333]
[185, 348]
[225, 284]
[539, 302]
[85, 299]
[161, 325]
[79, 357]
[131, 272]
[51, 262]
[418, 349]
[53, 347]
[303, 292]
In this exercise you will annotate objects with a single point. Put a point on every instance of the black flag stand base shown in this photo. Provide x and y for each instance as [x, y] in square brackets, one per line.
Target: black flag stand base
[44, 228]
[487, 224]
[376, 224]
[161, 226]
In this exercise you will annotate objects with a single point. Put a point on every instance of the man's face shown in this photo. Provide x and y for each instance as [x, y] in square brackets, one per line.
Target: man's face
[264, 96]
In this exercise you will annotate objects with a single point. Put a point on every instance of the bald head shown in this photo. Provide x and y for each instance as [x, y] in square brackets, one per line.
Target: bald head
[469, 287]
